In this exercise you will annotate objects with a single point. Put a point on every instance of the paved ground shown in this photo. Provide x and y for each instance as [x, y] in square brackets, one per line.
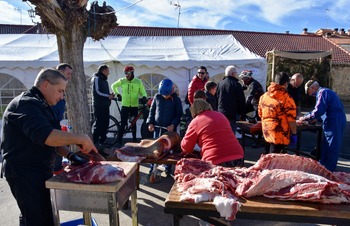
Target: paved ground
[151, 197]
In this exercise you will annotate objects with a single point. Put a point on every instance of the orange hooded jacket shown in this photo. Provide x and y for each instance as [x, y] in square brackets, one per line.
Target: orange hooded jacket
[276, 109]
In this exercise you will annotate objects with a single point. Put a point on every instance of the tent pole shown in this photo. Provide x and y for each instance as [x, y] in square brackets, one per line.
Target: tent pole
[273, 67]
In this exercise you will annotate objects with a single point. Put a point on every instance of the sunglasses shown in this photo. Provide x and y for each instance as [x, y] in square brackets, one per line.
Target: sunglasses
[201, 72]
[128, 72]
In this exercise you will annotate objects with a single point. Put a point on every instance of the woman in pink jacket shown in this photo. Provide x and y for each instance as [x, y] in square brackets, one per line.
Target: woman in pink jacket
[213, 133]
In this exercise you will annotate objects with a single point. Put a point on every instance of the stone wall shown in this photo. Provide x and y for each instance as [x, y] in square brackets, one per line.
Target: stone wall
[340, 80]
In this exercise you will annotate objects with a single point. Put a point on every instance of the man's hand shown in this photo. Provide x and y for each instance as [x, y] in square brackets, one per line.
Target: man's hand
[111, 96]
[119, 97]
[75, 159]
[144, 100]
[171, 128]
[86, 145]
[151, 127]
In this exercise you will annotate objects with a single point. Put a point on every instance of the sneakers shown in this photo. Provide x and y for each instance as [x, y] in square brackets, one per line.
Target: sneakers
[162, 167]
[166, 169]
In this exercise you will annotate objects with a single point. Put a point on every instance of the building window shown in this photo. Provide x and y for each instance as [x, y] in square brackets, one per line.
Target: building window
[151, 83]
[11, 88]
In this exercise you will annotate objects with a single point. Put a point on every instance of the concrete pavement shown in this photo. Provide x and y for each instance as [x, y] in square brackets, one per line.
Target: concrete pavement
[151, 199]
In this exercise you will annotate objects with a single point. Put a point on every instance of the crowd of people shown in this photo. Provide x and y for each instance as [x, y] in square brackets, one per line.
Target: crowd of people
[211, 123]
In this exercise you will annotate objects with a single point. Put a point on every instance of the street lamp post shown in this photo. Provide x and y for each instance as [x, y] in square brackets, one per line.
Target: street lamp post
[32, 14]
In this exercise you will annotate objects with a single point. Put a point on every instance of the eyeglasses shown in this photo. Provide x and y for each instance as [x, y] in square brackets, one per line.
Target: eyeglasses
[128, 72]
[201, 72]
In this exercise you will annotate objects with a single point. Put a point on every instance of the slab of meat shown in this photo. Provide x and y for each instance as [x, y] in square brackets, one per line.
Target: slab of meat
[188, 168]
[292, 162]
[94, 172]
[153, 149]
[321, 192]
[280, 176]
[343, 177]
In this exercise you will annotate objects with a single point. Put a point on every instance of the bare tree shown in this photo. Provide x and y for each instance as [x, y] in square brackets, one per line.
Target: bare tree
[71, 22]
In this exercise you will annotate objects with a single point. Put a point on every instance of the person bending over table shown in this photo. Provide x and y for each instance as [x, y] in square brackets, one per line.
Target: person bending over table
[30, 137]
[213, 133]
[330, 110]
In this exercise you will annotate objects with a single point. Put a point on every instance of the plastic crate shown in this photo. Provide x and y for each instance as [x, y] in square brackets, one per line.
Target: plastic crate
[78, 222]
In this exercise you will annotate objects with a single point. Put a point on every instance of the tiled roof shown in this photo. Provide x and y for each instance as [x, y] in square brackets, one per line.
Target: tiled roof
[257, 42]
[18, 29]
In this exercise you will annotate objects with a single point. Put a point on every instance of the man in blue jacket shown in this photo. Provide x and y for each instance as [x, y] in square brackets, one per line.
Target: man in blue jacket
[330, 110]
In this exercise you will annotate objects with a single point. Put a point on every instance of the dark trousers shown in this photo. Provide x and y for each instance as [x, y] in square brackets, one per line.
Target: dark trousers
[233, 163]
[125, 112]
[57, 163]
[274, 148]
[33, 198]
[101, 126]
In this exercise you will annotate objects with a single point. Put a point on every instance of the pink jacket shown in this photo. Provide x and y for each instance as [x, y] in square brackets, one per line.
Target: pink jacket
[213, 133]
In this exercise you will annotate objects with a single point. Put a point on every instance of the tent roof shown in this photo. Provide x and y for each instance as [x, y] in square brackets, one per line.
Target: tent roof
[38, 50]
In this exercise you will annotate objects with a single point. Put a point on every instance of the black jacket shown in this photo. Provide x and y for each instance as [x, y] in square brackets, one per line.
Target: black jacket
[27, 123]
[231, 100]
[100, 90]
[212, 100]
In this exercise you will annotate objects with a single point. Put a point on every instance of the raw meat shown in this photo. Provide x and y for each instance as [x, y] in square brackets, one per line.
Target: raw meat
[188, 168]
[94, 172]
[153, 149]
[280, 176]
[227, 207]
[292, 162]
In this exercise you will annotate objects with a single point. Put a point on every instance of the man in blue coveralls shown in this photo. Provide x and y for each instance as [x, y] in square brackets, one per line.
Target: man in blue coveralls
[330, 110]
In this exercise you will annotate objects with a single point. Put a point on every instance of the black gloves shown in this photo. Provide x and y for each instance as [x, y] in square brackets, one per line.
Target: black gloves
[75, 159]
[119, 97]
[143, 100]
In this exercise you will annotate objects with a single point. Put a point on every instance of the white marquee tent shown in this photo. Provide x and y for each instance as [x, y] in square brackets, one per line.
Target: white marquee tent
[176, 57]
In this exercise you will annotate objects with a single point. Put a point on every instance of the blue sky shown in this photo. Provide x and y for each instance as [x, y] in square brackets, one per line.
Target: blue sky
[246, 15]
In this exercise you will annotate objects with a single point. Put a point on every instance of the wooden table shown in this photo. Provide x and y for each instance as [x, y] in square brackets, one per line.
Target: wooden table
[260, 208]
[169, 159]
[95, 198]
[246, 130]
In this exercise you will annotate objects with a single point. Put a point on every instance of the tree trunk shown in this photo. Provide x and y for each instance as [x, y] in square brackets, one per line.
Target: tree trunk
[70, 47]
[68, 20]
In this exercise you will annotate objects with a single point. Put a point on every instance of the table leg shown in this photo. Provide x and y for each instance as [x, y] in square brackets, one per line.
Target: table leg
[319, 140]
[134, 208]
[138, 177]
[56, 216]
[87, 218]
[298, 142]
[113, 210]
[176, 220]
[243, 140]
